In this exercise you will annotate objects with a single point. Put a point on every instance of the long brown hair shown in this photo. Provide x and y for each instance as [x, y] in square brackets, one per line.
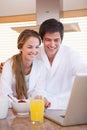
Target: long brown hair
[17, 67]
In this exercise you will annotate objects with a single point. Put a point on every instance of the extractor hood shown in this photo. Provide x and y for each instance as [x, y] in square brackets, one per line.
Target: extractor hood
[49, 9]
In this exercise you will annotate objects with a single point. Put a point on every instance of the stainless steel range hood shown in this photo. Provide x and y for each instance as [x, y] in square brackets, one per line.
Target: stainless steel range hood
[49, 9]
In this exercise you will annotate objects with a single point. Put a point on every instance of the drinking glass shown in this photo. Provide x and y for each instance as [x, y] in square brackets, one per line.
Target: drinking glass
[4, 105]
[37, 110]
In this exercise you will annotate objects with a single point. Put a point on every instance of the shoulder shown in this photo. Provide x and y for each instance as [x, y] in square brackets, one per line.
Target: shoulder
[37, 63]
[9, 62]
[74, 55]
[65, 48]
[7, 68]
[69, 50]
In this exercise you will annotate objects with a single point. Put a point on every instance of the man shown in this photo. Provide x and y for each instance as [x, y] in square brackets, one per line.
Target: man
[61, 64]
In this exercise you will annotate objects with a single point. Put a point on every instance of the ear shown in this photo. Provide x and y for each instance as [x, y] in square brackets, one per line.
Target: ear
[20, 50]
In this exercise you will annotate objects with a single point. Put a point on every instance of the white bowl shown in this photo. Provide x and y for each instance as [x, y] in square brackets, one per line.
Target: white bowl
[21, 108]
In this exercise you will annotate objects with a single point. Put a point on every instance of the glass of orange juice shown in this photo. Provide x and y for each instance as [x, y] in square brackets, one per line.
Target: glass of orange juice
[37, 110]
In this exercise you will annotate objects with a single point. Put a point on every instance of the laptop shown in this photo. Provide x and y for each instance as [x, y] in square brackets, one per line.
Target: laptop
[76, 112]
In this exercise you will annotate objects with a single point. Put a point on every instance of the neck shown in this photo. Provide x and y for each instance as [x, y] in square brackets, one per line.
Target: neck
[27, 69]
[27, 65]
[51, 59]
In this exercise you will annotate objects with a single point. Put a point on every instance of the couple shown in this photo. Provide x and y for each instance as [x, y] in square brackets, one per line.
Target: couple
[46, 71]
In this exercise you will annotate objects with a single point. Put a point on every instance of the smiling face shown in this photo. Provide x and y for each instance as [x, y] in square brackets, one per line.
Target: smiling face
[30, 49]
[51, 43]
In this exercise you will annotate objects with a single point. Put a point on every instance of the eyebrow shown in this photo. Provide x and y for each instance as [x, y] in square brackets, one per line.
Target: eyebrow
[52, 39]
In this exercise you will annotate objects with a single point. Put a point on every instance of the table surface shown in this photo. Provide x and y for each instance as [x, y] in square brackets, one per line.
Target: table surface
[13, 122]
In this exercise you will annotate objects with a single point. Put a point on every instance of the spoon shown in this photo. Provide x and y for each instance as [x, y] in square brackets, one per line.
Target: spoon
[13, 98]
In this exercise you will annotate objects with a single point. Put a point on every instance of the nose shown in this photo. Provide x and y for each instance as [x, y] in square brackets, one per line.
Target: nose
[52, 43]
[34, 51]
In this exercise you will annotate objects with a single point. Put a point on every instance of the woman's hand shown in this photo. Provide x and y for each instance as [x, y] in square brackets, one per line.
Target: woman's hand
[47, 104]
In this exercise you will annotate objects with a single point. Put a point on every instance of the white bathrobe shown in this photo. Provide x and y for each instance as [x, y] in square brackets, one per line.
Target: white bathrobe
[7, 82]
[59, 77]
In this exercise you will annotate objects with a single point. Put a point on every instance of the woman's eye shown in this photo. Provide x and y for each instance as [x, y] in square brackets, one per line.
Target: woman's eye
[29, 47]
[37, 46]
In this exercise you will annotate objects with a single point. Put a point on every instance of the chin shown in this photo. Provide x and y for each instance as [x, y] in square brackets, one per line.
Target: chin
[31, 59]
[52, 53]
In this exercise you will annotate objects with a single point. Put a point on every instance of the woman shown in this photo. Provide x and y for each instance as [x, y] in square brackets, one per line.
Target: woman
[16, 77]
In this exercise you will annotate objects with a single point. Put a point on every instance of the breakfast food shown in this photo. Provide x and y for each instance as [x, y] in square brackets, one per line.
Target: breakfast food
[21, 100]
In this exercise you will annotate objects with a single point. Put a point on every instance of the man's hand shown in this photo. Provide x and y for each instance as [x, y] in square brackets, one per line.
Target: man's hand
[47, 104]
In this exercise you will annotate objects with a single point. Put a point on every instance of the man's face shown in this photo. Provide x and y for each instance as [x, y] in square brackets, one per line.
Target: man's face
[51, 43]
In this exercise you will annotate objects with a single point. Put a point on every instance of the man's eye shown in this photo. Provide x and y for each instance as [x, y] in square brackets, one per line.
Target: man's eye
[48, 40]
[56, 40]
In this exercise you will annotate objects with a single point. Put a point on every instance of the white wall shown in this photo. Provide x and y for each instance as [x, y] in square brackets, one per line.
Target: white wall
[19, 7]
[74, 4]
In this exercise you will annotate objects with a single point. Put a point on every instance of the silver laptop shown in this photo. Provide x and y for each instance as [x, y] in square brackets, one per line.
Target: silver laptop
[76, 112]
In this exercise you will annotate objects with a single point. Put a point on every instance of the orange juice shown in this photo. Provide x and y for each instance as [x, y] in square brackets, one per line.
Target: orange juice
[37, 110]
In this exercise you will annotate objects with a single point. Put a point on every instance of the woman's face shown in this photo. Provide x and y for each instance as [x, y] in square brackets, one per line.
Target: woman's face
[30, 49]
